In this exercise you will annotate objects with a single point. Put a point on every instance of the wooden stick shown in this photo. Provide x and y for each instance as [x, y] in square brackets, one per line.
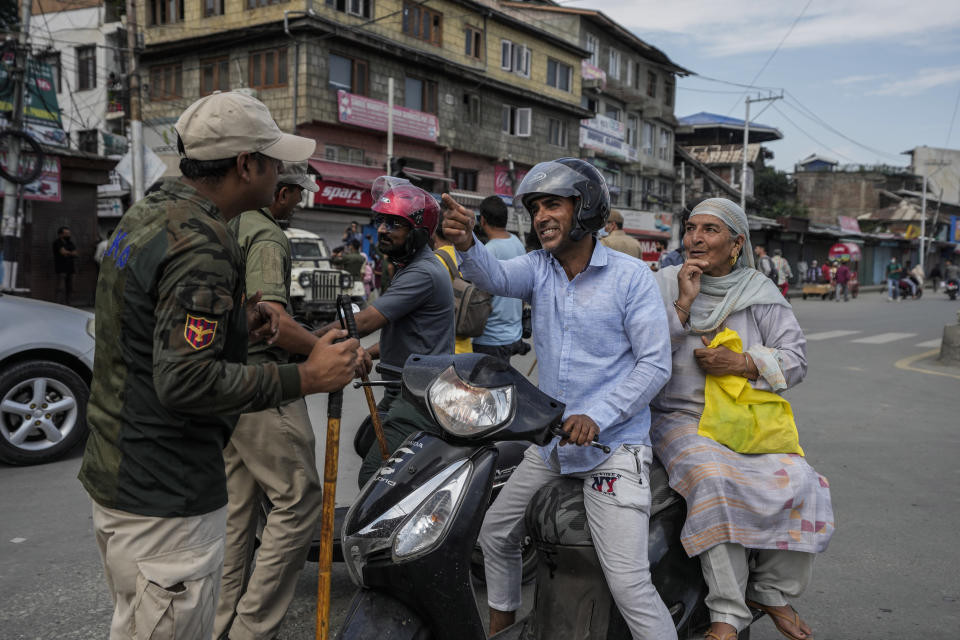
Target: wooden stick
[532, 367]
[330, 468]
[375, 419]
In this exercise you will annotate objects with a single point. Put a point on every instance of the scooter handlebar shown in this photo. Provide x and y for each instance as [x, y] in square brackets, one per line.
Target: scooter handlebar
[347, 321]
[558, 431]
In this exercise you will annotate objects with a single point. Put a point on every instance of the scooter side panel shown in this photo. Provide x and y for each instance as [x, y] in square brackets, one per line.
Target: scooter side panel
[375, 615]
[438, 585]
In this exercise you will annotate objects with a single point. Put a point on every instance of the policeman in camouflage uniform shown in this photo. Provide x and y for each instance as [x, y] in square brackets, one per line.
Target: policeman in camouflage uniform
[170, 375]
[271, 452]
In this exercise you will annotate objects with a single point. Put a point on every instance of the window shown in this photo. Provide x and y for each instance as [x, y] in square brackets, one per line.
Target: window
[214, 75]
[630, 67]
[557, 132]
[633, 129]
[614, 67]
[647, 139]
[212, 8]
[651, 84]
[613, 112]
[516, 120]
[471, 108]
[52, 58]
[166, 82]
[349, 74]
[422, 23]
[268, 69]
[664, 151]
[165, 11]
[668, 89]
[593, 46]
[559, 75]
[361, 8]
[253, 4]
[515, 57]
[473, 39]
[649, 184]
[87, 141]
[86, 68]
[589, 103]
[665, 191]
[420, 95]
[465, 179]
[339, 153]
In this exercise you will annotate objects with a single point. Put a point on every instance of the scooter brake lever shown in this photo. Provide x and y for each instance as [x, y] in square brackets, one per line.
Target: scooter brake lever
[378, 383]
[558, 431]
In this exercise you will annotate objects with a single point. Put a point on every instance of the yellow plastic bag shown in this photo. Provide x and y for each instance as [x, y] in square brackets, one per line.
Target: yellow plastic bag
[743, 418]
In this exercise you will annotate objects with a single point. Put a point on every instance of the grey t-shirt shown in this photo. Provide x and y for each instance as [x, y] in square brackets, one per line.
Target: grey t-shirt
[419, 306]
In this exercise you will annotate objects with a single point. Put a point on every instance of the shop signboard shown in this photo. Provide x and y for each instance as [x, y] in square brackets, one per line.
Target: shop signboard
[336, 194]
[365, 112]
[593, 72]
[46, 188]
[501, 179]
[606, 136]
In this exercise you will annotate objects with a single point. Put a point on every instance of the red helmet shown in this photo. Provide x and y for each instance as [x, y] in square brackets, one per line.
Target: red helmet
[397, 197]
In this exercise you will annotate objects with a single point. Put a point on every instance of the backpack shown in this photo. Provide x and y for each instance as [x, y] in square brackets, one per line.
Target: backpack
[768, 269]
[471, 306]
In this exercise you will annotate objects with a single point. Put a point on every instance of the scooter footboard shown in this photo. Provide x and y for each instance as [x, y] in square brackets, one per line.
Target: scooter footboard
[374, 615]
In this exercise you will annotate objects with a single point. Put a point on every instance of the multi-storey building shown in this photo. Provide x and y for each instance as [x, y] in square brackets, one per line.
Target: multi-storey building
[629, 89]
[479, 95]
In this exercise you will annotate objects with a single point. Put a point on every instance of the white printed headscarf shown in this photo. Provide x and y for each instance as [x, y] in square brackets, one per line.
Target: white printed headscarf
[734, 217]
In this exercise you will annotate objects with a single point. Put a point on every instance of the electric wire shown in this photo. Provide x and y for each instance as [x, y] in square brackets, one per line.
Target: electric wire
[803, 131]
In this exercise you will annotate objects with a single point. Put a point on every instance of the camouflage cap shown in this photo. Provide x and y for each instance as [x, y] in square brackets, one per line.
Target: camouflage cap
[297, 174]
[224, 125]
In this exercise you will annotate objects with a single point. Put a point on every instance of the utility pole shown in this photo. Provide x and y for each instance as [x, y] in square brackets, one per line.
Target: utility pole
[940, 164]
[136, 125]
[11, 193]
[746, 140]
[390, 126]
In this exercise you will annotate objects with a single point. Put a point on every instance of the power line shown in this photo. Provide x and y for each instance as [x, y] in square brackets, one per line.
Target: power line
[775, 51]
[736, 84]
[810, 115]
[801, 130]
[953, 119]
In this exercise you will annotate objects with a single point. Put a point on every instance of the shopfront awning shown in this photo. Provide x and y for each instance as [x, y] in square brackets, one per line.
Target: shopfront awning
[347, 174]
[423, 174]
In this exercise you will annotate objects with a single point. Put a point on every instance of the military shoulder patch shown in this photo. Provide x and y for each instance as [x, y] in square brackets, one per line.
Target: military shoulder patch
[199, 332]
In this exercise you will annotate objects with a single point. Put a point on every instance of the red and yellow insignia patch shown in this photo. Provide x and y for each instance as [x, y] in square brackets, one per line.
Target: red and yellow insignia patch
[199, 332]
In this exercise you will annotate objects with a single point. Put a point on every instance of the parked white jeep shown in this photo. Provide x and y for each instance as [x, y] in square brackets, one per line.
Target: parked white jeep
[314, 282]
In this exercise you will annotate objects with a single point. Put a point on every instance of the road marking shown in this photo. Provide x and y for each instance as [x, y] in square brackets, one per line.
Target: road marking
[884, 338]
[826, 335]
[907, 364]
[929, 343]
[18, 540]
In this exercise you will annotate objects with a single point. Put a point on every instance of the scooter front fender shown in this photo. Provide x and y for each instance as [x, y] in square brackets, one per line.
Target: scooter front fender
[374, 615]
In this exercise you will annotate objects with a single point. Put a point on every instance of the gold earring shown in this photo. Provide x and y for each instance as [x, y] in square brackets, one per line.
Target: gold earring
[733, 259]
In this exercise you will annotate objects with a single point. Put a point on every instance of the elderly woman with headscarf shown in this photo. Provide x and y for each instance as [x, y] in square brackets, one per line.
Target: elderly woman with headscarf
[755, 521]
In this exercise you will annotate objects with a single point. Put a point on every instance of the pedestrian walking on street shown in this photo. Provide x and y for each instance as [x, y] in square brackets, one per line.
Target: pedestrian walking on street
[501, 336]
[617, 239]
[600, 335]
[270, 455]
[894, 275]
[64, 265]
[765, 263]
[784, 272]
[172, 329]
[813, 272]
[843, 281]
[936, 274]
[745, 506]
[802, 271]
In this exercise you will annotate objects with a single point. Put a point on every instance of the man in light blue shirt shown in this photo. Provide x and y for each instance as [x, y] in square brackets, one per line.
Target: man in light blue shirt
[501, 334]
[602, 341]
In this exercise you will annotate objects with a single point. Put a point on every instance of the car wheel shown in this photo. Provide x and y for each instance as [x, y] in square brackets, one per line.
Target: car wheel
[43, 409]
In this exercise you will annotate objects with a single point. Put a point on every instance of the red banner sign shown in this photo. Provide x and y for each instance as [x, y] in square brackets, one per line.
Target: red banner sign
[362, 111]
[342, 195]
[501, 178]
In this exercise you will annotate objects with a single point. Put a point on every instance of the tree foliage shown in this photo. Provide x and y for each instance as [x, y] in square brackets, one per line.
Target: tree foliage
[776, 195]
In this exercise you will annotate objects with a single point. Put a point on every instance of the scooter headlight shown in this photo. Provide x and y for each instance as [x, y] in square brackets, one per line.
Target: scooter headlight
[427, 525]
[465, 410]
[378, 535]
